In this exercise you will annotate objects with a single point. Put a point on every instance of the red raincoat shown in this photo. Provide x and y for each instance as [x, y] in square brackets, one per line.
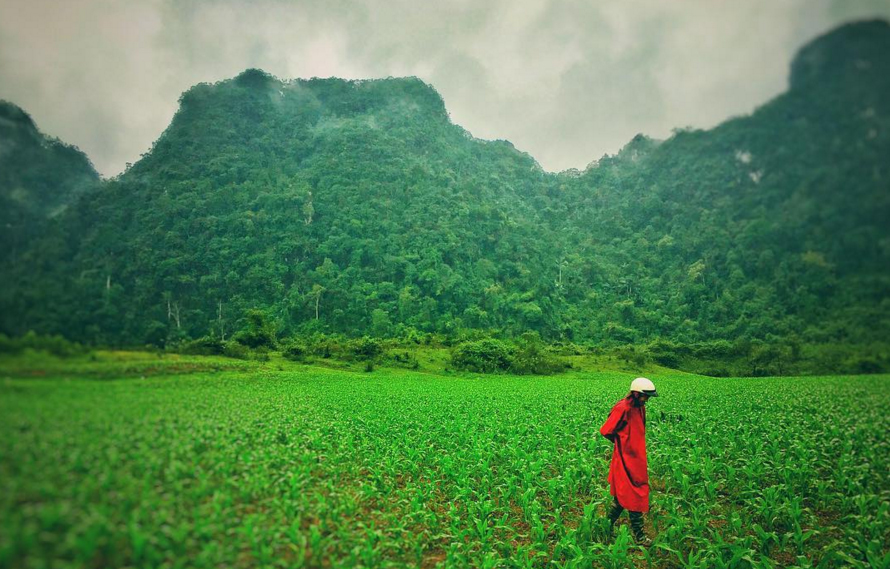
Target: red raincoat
[628, 473]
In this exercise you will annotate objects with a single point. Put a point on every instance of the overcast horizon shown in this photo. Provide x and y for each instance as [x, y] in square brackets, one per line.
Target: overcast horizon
[566, 82]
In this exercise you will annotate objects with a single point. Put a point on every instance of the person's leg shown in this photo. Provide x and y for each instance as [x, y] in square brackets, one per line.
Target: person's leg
[614, 513]
[636, 526]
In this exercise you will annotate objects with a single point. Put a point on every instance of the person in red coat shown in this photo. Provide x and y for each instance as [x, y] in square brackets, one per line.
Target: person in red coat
[628, 472]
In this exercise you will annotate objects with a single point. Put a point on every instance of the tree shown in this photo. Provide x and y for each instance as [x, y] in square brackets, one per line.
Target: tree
[260, 331]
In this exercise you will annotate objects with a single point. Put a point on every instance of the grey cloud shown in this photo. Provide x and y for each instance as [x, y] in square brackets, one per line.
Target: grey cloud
[565, 80]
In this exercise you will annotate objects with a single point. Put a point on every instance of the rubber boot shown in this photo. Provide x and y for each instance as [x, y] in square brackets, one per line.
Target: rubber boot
[636, 526]
[614, 514]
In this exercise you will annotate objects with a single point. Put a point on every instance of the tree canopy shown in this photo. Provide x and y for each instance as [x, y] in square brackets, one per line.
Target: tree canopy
[359, 207]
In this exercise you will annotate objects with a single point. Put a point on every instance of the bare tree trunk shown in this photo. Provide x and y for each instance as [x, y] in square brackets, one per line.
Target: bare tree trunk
[222, 330]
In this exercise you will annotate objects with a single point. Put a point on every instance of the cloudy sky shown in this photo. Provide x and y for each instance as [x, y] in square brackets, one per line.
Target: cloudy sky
[565, 80]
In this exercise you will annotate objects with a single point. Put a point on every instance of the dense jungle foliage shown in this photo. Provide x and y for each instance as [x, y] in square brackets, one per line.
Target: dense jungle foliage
[39, 177]
[359, 208]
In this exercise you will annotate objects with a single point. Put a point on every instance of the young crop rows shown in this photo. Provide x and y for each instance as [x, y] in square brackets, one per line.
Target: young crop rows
[335, 469]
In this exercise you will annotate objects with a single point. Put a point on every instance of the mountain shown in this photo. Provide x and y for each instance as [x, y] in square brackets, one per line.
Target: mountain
[39, 177]
[345, 196]
[770, 224]
[358, 207]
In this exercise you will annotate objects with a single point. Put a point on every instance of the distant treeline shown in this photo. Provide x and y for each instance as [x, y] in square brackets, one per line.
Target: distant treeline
[477, 352]
[528, 354]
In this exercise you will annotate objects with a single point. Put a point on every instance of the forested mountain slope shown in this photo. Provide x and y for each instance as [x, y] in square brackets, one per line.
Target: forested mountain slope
[39, 177]
[358, 207]
[776, 223]
[323, 197]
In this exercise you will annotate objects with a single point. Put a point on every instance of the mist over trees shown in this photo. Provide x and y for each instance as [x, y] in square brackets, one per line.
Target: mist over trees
[39, 177]
[358, 207]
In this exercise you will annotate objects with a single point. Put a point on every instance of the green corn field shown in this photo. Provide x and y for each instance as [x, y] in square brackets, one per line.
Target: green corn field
[323, 468]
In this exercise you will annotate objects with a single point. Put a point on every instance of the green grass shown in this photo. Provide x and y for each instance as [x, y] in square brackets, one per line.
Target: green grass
[114, 364]
[307, 466]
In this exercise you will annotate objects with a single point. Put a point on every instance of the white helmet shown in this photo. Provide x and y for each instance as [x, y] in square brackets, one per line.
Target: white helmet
[644, 386]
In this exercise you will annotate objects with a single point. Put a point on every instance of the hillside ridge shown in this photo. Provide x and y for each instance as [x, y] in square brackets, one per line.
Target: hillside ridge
[358, 207]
